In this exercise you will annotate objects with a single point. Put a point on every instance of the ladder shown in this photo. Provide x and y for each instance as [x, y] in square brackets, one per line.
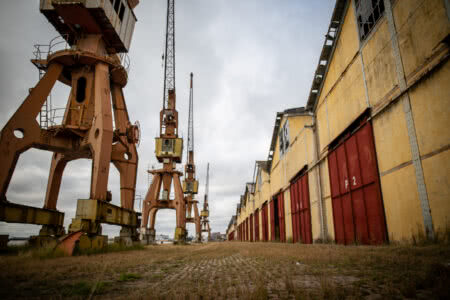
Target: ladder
[44, 115]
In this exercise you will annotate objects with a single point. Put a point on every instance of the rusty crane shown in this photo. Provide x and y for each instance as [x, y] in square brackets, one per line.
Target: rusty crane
[205, 212]
[96, 36]
[169, 149]
[190, 183]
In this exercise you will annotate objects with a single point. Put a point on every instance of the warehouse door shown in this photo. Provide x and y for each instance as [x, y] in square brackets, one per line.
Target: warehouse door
[251, 227]
[274, 227]
[265, 223]
[257, 226]
[301, 210]
[358, 211]
[281, 230]
[247, 231]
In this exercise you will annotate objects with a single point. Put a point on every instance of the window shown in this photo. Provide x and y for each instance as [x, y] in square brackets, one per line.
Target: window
[368, 12]
[283, 137]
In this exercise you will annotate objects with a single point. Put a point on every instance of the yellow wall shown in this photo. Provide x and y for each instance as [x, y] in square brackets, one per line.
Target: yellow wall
[421, 25]
[401, 203]
[430, 104]
[379, 63]
[288, 214]
[337, 106]
[346, 48]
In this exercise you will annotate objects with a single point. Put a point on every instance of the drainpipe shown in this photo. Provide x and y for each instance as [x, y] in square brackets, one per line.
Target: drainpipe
[323, 226]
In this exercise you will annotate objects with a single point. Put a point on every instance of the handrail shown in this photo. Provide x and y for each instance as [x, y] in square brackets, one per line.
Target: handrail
[41, 51]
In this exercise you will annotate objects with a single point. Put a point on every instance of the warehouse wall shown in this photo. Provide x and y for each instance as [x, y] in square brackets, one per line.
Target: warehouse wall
[398, 78]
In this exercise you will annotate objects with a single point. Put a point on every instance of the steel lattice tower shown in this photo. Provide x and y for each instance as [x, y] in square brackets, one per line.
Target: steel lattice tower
[190, 145]
[205, 212]
[169, 55]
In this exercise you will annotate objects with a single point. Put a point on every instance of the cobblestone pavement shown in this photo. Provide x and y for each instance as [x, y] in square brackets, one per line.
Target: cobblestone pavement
[227, 271]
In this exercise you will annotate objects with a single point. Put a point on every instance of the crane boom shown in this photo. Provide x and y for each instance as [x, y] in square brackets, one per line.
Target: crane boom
[190, 145]
[169, 56]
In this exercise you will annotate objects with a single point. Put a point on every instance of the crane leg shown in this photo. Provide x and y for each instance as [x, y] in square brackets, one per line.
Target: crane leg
[151, 230]
[180, 204]
[22, 130]
[124, 155]
[198, 229]
[189, 209]
[101, 134]
[151, 197]
[58, 164]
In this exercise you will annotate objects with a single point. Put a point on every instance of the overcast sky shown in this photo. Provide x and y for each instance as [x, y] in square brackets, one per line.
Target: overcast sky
[250, 59]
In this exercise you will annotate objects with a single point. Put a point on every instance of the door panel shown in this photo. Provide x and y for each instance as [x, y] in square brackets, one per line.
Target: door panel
[358, 211]
[301, 213]
[272, 220]
[354, 169]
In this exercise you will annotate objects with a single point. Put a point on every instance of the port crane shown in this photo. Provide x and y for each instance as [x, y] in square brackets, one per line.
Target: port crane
[190, 183]
[96, 36]
[169, 149]
[205, 212]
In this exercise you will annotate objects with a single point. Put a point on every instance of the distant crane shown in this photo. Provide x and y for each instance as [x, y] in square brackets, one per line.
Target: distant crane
[169, 149]
[190, 183]
[205, 212]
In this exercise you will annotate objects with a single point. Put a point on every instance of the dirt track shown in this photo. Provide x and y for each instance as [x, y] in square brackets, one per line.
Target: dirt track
[234, 270]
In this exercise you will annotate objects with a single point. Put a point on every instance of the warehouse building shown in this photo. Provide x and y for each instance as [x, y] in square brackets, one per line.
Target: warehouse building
[367, 160]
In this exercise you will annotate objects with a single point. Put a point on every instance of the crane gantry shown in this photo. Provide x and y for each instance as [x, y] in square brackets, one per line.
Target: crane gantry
[92, 34]
[169, 149]
[190, 183]
[205, 212]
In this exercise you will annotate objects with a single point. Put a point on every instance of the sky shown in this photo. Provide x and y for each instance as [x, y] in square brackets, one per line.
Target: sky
[250, 59]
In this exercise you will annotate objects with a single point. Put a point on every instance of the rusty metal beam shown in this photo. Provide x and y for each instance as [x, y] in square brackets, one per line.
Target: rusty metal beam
[17, 213]
[104, 212]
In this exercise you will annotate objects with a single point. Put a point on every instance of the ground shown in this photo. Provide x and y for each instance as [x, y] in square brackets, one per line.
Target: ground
[234, 270]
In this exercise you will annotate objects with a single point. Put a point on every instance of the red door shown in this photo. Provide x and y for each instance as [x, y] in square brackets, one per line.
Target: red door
[251, 228]
[265, 220]
[246, 229]
[281, 223]
[257, 225]
[272, 220]
[301, 211]
[355, 190]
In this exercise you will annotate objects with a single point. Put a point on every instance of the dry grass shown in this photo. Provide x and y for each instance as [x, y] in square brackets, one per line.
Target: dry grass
[234, 270]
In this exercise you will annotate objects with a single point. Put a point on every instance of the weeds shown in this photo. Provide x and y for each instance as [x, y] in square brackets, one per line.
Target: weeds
[114, 247]
[129, 277]
[81, 288]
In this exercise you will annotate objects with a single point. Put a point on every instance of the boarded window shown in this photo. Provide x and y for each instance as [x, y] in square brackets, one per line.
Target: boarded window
[368, 12]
